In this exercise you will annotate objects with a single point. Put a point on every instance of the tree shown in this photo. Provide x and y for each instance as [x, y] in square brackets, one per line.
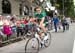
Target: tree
[53, 2]
[68, 7]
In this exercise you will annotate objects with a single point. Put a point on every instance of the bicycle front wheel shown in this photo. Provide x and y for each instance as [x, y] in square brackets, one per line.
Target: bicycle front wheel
[32, 46]
[47, 39]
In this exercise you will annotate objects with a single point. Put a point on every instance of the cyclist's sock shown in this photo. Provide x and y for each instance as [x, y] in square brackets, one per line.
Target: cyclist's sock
[45, 34]
[41, 45]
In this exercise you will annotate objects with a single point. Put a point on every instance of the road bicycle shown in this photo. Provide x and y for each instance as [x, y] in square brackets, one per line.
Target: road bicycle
[34, 43]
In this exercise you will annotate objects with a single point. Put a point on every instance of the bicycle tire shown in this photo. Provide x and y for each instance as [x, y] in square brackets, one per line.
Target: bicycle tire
[34, 50]
[49, 40]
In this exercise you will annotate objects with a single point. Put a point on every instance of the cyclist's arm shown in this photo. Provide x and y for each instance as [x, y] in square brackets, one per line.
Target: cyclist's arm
[43, 16]
[42, 20]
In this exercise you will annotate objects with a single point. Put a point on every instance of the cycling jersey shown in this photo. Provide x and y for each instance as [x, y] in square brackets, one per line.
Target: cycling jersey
[42, 14]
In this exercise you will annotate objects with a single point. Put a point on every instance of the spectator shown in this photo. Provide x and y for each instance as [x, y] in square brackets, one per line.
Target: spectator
[68, 19]
[13, 19]
[7, 28]
[19, 27]
[22, 26]
[25, 21]
[1, 20]
[1, 38]
[13, 27]
[55, 21]
[64, 22]
[7, 20]
[59, 24]
[13, 23]
[1, 24]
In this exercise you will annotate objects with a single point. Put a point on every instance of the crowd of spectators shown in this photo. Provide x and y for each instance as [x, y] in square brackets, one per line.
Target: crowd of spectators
[12, 25]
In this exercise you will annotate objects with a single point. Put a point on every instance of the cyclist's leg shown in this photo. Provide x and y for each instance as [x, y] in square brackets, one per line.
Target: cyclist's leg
[41, 25]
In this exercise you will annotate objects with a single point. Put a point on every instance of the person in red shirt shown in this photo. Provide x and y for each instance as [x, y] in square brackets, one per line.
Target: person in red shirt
[25, 21]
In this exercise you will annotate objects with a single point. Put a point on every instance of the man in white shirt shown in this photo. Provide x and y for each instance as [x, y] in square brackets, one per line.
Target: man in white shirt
[68, 20]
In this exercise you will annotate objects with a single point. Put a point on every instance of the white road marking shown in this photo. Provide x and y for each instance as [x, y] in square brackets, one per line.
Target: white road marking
[73, 47]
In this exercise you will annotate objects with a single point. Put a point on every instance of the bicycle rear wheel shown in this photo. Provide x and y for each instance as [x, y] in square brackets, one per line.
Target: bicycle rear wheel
[32, 46]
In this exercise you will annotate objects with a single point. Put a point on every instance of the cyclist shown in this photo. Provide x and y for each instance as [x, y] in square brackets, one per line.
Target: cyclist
[40, 15]
[39, 20]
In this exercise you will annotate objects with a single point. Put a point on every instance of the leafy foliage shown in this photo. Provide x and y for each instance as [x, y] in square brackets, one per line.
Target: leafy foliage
[68, 7]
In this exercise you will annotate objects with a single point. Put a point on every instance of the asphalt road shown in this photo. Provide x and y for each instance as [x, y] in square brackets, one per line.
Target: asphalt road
[62, 42]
